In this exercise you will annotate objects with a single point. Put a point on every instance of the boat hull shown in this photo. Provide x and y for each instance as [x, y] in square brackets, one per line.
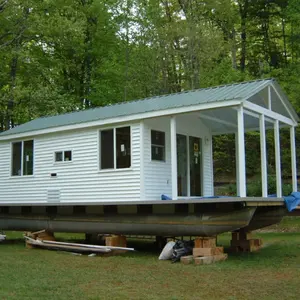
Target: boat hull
[206, 224]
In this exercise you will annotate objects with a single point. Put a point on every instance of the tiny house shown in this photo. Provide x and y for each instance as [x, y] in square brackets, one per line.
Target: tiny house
[141, 150]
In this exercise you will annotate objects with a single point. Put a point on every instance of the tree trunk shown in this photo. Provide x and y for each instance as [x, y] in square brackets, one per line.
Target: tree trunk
[243, 9]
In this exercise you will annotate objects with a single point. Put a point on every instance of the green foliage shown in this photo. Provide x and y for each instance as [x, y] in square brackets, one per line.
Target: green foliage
[59, 56]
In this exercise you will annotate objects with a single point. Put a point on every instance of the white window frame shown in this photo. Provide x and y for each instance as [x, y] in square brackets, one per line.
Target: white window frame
[22, 157]
[63, 156]
[160, 146]
[115, 169]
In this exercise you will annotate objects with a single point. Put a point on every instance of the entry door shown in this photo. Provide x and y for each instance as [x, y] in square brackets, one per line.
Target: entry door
[189, 165]
[195, 165]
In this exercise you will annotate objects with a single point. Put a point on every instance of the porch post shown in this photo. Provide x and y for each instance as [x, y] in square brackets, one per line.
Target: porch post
[237, 164]
[173, 157]
[263, 156]
[293, 158]
[241, 153]
[277, 159]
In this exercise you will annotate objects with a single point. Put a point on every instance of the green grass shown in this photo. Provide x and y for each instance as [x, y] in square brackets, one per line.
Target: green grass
[271, 273]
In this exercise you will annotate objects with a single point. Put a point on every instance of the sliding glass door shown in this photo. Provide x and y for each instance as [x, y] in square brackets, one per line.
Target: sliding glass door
[189, 168]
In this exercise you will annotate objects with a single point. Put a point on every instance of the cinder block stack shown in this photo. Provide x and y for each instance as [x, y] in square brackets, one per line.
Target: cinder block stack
[205, 252]
[243, 242]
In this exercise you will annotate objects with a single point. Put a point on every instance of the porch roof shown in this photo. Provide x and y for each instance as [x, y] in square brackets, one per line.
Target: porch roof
[253, 91]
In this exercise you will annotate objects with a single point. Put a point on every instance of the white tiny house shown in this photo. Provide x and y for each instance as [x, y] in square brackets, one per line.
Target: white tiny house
[143, 149]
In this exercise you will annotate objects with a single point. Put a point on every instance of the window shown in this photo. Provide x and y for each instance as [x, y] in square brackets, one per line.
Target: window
[158, 145]
[63, 156]
[22, 158]
[115, 148]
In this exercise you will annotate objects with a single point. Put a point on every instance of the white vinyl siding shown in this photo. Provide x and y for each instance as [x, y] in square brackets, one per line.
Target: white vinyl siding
[79, 179]
[157, 174]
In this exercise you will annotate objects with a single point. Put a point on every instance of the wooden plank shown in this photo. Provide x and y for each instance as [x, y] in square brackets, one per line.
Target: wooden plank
[207, 251]
[186, 260]
[220, 257]
[206, 260]
[198, 242]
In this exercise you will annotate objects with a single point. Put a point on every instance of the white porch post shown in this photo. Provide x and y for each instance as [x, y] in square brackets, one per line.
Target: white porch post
[293, 158]
[142, 161]
[277, 159]
[263, 156]
[237, 164]
[173, 157]
[241, 153]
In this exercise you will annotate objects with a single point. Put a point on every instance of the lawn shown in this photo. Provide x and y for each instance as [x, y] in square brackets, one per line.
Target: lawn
[271, 273]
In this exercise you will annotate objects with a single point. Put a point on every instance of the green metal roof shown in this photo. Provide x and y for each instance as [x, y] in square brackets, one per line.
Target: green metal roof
[238, 91]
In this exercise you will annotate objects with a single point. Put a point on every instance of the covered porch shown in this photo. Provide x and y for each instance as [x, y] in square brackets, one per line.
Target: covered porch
[233, 109]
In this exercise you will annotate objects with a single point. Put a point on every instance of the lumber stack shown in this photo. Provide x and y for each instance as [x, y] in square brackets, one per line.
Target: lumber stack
[39, 235]
[73, 247]
[243, 242]
[205, 252]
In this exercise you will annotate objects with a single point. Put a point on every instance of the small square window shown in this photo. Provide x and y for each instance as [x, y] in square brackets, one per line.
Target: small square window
[68, 156]
[63, 156]
[58, 156]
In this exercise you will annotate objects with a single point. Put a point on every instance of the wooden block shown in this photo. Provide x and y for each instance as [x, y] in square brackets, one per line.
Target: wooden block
[241, 235]
[258, 242]
[245, 235]
[198, 242]
[116, 240]
[206, 260]
[209, 243]
[186, 260]
[220, 257]
[243, 243]
[207, 251]
[235, 236]
[47, 236]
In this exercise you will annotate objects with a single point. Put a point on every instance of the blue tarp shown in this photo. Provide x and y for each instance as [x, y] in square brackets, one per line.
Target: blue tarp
[292, 201]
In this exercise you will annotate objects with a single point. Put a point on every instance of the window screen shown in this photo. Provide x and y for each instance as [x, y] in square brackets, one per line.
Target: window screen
[17, 159]
[107, 149]
[157, 145]
[59, 156]
[28, 158]
[123, 147]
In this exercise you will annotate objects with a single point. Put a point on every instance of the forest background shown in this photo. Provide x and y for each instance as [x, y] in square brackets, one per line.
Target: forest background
[58, 56]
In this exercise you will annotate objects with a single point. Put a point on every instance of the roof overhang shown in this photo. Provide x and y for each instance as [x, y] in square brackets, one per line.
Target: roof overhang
[126, 119]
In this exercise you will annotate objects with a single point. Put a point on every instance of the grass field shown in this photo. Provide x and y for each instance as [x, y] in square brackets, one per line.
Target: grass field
[271, 273]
